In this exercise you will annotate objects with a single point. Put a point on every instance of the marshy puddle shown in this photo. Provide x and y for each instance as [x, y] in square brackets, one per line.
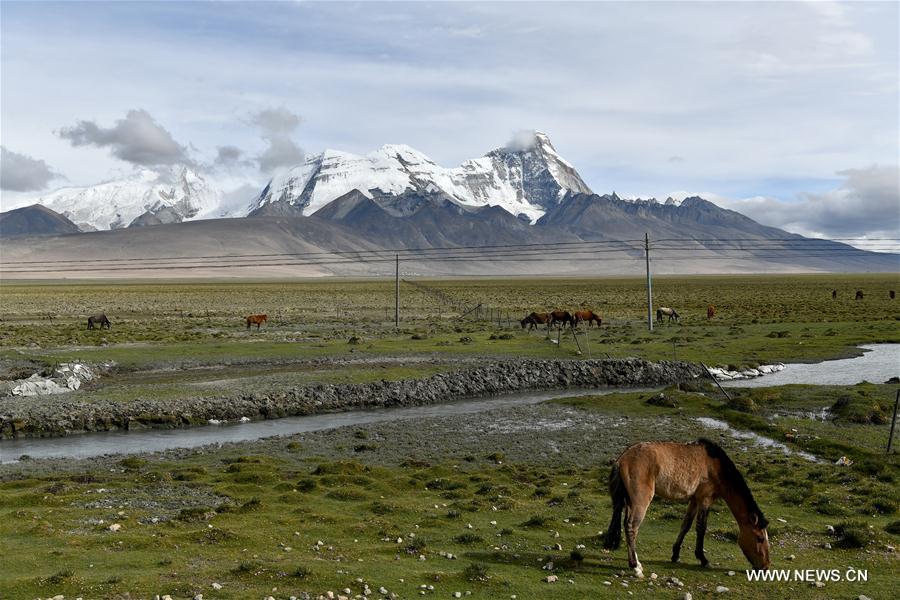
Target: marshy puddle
[755, 438]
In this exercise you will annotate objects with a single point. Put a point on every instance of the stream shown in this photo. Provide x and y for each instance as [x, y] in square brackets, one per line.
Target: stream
[878, 363]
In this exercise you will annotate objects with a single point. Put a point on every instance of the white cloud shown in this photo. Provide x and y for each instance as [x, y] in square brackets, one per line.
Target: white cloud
[22, 173]
[137, 139]
[866, 204]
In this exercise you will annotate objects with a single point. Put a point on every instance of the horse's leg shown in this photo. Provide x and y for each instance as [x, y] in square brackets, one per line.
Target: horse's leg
[633, 520]
[702, 514]
[685, 527]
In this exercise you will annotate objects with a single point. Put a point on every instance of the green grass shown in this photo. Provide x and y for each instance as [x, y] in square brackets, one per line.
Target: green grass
[253, 522]
[251, 519]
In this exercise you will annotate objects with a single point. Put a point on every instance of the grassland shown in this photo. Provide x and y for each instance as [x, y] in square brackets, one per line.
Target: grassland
[250, 516]
[760, 319]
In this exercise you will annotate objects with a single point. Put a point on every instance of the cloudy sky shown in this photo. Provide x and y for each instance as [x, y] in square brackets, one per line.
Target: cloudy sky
[785, 111]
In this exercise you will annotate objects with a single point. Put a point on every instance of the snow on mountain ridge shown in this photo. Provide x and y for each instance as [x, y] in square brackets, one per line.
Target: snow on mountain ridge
[523, 180]
[180, 193]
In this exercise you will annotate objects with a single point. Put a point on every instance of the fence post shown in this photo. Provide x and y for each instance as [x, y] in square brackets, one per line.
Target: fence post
[716, 381]
[893, 422]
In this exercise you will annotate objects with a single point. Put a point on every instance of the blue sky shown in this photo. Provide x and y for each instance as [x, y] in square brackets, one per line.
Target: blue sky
[764, 107]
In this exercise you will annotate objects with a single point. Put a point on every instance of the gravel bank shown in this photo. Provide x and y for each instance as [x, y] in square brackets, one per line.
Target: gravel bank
[62, 415]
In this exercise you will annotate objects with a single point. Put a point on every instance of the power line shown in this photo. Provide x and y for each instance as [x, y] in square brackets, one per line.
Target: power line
[499, 257]
[451, 253]
[401, 251]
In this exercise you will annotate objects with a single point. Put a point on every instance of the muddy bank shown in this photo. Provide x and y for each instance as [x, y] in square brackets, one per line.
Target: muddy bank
[62, 415]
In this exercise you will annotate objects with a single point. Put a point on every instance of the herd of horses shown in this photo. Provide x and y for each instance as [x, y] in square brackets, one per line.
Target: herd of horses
[563, 318]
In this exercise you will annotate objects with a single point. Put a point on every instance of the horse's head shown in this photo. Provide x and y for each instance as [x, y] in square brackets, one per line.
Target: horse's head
[524, 322]
[753, 539]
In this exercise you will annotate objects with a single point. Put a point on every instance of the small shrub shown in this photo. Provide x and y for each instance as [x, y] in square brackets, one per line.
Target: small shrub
[60, 576]
[345, 495]
[742, 404]
[893, 527]
[251, 505]
[442, 483]
[382, 508]
[132, 463]
[576, 556]
[537, 521]
[301, 572]
[195, 513]
[476, 572]
[852, 535]
[468, 538]
[306, 485]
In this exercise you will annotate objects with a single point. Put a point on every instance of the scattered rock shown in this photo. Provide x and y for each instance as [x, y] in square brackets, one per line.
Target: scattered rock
[721, 589]
[551, 578]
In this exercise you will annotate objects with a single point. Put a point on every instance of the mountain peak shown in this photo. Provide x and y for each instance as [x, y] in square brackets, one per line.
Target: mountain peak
[177, 193]
[527, 176]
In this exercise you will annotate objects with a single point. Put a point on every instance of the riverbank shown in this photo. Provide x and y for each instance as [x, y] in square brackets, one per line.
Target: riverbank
[51, 416]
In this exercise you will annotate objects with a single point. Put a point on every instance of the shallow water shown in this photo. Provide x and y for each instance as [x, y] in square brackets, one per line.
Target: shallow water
[879, 363]
[755, 438]
[88, 445]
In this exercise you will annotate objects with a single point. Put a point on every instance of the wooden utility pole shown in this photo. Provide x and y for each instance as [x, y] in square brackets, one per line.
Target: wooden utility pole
[397, 294]
[893, 422]
[649, 282]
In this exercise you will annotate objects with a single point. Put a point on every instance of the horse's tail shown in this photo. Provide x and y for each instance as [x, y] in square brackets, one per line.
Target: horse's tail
[619, 495]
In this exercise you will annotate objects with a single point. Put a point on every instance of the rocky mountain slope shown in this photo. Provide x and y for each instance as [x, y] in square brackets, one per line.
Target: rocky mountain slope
[524, 180]
[35, 220]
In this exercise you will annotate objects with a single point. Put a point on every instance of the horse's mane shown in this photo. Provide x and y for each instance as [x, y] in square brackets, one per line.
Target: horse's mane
[734, 478]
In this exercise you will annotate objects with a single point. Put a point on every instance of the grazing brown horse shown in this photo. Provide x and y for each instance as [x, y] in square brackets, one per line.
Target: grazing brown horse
[535, 319]
[668, 312]
[859, 295]
[563, 317]
[589, 316]
[834, 294]
[892, 294]
[700, 473]
[98, 321]
[710, 311]
[257, 320]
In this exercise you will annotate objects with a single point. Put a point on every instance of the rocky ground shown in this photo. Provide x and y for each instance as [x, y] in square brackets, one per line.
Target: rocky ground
[49, 416]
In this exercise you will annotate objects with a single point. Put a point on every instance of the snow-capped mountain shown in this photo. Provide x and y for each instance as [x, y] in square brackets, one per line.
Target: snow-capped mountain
[146, 197]
[527, 179]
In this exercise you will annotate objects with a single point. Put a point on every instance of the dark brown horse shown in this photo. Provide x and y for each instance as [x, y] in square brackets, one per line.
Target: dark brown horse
[859, 295]
[98, 321]
[257, 320]
[535, 319]
[589, 316]
[834, 294]
[699, 473]
[892, 294]
[563, 317]
[710, 311]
